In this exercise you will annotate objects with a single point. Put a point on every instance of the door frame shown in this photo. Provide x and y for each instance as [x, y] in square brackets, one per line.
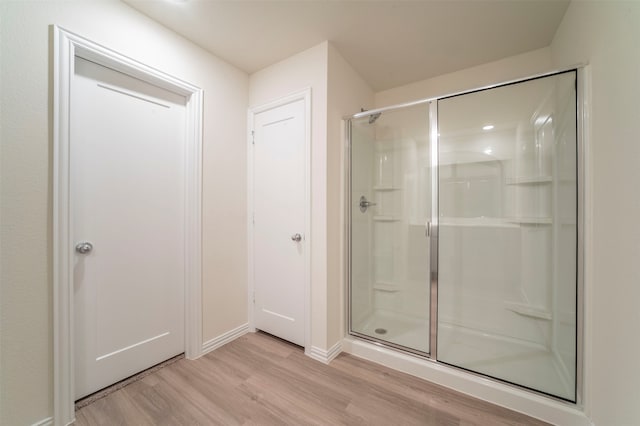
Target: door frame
[304, 95]
[67, 46]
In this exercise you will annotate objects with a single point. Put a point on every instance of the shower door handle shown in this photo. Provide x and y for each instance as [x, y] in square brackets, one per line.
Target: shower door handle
[427, 230]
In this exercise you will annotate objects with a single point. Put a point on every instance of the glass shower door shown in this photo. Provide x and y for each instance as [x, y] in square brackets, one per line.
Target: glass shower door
[508, 233]
[389, 208]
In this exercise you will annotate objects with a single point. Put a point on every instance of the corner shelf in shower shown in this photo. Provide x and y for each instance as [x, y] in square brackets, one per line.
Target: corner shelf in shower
[386, 286]
[385, 218]
[386, 188]
[530, 220]
[527, 310]
[529, 180]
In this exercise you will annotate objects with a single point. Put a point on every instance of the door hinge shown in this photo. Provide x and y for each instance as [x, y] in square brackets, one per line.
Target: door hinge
[254, 296]
[253, 137]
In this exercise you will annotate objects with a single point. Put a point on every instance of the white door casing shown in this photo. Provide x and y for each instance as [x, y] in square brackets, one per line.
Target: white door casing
[67, 47]
[127, 150]
[279, 231]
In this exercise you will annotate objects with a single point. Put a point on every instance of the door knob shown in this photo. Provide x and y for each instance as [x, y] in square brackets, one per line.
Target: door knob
[296, 237]
[84, 247]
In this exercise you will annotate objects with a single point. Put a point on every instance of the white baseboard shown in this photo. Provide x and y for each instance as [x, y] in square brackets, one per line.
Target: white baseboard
[323, 356]
[44, 422]
[225, 338]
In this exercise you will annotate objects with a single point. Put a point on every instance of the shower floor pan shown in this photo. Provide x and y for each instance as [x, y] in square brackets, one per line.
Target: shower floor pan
[411, 332]
[515, 361]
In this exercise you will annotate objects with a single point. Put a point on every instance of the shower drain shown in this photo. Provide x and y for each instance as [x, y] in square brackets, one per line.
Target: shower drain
[380, 330]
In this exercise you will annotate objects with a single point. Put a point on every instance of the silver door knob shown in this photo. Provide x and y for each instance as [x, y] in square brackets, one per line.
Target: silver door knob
[296, 237]
[84, 247]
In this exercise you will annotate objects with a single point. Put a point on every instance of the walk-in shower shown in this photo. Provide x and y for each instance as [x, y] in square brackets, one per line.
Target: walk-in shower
[463, 240]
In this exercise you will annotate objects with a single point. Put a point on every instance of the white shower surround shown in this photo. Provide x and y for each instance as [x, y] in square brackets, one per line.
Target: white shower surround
[521, 237]
[496, 316]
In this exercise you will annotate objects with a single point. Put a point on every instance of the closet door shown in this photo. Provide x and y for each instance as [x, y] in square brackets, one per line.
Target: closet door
[279, 240]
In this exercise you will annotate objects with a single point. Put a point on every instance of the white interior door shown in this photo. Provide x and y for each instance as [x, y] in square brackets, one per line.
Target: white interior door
[279, 221]
[127, 151]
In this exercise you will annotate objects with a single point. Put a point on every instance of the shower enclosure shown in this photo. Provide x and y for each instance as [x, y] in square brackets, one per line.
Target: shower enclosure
[463, 239]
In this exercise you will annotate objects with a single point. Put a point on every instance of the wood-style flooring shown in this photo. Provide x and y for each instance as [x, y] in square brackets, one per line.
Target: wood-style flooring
[261, 380]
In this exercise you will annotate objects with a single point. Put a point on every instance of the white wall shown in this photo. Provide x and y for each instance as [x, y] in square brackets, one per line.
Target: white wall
[26, 168]
[510, 68]
[307, 69]
[605, 35]
[347, 93]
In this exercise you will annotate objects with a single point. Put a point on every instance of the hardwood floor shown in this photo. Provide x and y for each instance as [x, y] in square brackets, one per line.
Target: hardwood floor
[261, 380]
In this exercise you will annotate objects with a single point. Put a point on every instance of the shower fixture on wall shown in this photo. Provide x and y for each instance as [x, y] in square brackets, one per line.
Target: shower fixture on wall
[365, 204]
[372, 117]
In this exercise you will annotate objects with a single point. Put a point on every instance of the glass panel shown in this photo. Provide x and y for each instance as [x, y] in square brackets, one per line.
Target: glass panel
[390, 205]
[508, 232]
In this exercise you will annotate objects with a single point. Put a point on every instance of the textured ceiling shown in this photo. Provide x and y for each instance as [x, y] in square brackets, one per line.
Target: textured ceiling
[389, 43]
